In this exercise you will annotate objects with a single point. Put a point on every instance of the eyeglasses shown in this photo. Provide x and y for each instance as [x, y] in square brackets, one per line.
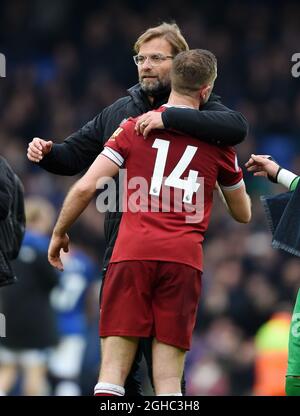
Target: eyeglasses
[154, 60]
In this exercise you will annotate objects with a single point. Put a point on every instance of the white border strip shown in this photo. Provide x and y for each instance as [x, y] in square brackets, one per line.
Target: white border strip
[233, 187]
[113, 155]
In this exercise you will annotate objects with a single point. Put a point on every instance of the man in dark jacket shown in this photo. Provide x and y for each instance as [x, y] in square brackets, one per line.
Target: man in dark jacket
[12, 220]
[214, 123]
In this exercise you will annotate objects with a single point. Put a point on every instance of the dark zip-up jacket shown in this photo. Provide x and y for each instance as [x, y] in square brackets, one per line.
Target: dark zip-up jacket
[12, 220]
[215, 123]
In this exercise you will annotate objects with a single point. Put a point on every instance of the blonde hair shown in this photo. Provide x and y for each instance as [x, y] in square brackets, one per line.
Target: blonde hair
[168, 31]
[40, 214]
[193, 69]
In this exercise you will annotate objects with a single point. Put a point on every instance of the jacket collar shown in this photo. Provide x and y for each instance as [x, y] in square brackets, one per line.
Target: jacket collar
[142, 102]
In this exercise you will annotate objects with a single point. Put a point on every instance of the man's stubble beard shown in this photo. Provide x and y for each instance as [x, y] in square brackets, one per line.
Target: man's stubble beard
[158, 87]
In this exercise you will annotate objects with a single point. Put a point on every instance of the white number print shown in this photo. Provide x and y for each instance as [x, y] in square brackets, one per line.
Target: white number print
[189, 185]
[65, 296]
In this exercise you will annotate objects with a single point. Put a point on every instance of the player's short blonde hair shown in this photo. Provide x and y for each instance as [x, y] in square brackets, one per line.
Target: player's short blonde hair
[193, 69]
[168, 31]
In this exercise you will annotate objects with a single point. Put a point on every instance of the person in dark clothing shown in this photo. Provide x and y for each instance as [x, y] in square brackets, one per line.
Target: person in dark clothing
[12, 220]
[31, 327]
[215, 123]
[283, 216]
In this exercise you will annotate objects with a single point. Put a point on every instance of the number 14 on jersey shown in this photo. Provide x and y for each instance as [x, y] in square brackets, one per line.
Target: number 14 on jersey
[189, 185]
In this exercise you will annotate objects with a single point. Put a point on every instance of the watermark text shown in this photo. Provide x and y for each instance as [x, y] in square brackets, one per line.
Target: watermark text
[296, 67]
[2, 66]
[2, 326]
[138, 196]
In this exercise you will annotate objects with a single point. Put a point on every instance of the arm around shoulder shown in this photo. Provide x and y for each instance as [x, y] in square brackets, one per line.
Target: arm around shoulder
[214, 123]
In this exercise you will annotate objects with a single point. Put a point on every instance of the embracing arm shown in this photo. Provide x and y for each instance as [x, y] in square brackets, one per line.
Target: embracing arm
[75, 203]
[77, 152]
[215, 123]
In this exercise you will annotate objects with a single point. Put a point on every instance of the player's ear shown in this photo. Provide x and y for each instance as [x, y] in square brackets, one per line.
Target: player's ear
[204, 92]
[207, 90]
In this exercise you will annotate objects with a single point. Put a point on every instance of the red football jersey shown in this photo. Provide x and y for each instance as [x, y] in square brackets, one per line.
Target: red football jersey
[170, 179]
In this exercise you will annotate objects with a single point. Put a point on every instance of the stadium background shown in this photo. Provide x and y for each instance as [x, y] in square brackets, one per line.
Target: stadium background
[66, 60]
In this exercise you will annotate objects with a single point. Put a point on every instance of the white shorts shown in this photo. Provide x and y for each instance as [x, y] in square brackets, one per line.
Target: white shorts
[66, 359]
[24, 358]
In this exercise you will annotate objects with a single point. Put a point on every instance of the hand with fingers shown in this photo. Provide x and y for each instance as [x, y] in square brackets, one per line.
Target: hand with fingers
[57, 243]
[148, 122]
[263, 165]
[38, 148]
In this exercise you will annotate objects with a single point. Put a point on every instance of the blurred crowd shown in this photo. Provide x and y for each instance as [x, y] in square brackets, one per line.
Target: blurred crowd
[66, 60]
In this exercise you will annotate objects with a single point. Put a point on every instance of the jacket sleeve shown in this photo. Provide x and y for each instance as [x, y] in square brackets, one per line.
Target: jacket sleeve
[4, 204]
[78, 151]
[214, 123]
[5, 193]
